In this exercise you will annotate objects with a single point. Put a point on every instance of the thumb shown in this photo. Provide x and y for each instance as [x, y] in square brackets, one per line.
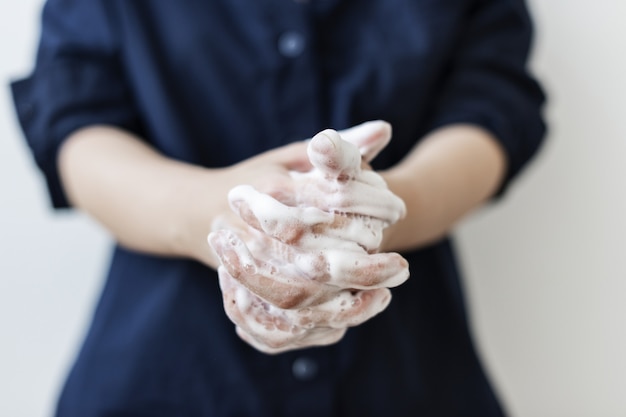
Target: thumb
[333, 156]
[370, 137]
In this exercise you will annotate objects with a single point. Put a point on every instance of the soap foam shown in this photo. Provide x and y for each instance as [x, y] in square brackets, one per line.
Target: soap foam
[327, 233]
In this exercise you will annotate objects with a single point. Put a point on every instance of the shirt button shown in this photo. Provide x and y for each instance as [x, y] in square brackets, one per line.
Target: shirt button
[291, 44]
[304, 369]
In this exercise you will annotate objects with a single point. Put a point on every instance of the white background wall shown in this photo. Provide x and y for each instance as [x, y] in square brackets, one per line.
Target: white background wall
[546, 267]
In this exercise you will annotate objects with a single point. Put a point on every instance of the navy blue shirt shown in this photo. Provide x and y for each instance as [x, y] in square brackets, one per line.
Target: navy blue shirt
[214, 82]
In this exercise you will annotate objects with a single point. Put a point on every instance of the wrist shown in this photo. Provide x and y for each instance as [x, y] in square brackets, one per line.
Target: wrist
[201, 199]
[421, 225]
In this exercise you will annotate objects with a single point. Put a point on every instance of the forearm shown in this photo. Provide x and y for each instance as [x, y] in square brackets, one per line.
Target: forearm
[447, 175]
[148, 202]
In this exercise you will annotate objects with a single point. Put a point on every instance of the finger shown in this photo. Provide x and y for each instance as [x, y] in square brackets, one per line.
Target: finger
[370, 137]
[367, 194]
[271, 344]
[357, 197]
[264, 213]
[229, 221]
[364, 306]
[306, 227]
[333, 156]
[272, 330]
[265, 324]
[235, 297]
[361, 270]
[321, 336]
[275, 331]
[275, 340]
[223, 242]
[370, 177]
[349, 232]
[261, 346]
[282, 284]
[267, 346]
[298, 280]
[346, 309]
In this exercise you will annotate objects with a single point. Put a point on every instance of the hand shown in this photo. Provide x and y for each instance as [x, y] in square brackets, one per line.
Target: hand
[307, 269]
[269, 171]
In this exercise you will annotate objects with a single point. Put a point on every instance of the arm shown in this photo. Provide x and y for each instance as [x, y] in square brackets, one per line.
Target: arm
[486, 126]
[152, 203]
[158, 205]
[447, 175]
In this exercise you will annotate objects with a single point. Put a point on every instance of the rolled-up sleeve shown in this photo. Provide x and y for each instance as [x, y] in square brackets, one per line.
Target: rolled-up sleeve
[488, 83]
[77, 81]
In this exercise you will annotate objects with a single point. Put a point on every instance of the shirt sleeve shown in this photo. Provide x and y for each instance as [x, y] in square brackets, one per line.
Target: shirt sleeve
[77, 81]
[488, 84]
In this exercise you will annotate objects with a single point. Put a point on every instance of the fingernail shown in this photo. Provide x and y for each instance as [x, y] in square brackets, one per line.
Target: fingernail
[323, 144]
[328, 139]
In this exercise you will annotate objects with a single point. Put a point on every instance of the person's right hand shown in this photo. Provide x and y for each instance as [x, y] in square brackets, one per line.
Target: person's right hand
[307, 269]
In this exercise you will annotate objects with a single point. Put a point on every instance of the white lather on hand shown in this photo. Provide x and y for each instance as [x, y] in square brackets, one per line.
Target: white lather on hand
[306, 267]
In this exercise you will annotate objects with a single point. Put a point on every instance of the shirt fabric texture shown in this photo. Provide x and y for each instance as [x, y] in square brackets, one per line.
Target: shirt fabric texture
[215, 82]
